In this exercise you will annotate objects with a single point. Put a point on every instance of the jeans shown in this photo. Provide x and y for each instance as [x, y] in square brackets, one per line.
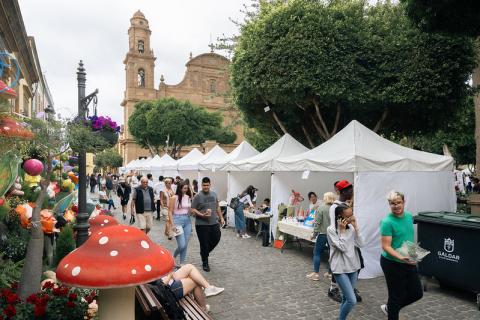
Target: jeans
[240, 219]
[92, 188]
[403, 283]
[317, 251]
[347, 283]
[110, 204]
[182, 240]
[208, 236]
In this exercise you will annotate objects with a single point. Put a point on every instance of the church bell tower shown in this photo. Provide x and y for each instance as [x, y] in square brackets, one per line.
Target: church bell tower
[139, 80]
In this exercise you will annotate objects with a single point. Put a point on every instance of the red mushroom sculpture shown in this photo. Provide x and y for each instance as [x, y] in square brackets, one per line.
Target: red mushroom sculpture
[115, 259]
[101, 221]
[6, 92]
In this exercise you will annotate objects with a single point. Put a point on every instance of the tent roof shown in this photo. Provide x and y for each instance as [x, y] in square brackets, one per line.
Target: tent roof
[192, 163]
[242, 151]
[357, 148]
[131, 164]
[158, 163]
[283, 147]
[192, 155]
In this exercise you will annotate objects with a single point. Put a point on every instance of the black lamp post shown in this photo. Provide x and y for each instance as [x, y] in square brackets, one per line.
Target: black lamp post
[82, 225]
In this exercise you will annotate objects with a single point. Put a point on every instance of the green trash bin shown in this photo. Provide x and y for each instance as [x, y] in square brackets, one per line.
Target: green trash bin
[453, 241]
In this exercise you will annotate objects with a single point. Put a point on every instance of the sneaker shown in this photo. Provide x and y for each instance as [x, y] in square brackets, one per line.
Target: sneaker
[315, 277]
[246, 236]
[207, 308]
[213, 291]
[384, 309]
[335, 295]
[238, 235]
[206, 267]
[310, 275]
[357, 295]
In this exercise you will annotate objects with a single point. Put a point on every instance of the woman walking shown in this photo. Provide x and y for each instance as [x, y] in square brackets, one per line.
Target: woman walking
[322, 221]
[123, 192]
[93, 183]
[247, 197]
[401, 274]
[179, 218]
[343, 237]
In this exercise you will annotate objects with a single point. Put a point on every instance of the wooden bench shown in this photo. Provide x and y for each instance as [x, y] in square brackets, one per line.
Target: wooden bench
[150, 305]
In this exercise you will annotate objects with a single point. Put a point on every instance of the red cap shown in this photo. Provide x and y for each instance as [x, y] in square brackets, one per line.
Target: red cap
[115, 257]
[99, 222]
[342, 184]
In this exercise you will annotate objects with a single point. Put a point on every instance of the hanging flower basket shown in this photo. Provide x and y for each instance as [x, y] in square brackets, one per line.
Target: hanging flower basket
[110, 136]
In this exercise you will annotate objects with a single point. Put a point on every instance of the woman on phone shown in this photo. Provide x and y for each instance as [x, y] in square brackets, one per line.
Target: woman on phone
[179, 219]
[343, 238]
[401, 274]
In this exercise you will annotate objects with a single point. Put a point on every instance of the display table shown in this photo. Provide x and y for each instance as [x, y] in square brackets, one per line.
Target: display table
[297, 230]
[263, 218]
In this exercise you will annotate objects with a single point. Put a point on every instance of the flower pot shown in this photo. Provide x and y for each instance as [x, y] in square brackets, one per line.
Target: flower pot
[110, 136]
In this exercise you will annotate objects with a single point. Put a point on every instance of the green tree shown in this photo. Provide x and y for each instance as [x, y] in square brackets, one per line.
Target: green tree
[65, 244]
[457, 17]
[108, 159]
[317, 65]
[170, 123]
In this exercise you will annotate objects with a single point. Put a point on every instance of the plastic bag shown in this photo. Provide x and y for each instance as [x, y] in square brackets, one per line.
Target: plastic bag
[412, 251]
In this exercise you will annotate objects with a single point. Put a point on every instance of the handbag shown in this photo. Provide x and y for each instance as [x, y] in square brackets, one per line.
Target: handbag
[234, 202]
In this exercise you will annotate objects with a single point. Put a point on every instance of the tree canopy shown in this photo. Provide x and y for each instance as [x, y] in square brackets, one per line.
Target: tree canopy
[317, 65]
[451, 16]
[108, 158]
[154, 124]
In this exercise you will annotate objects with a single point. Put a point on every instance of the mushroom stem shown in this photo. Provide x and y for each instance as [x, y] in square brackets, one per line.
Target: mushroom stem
[116, 304]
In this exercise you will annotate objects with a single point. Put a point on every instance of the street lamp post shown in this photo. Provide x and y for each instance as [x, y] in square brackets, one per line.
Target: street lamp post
[82, 225]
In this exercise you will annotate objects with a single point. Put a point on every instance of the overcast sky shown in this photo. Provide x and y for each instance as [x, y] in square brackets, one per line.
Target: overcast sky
[96, 32]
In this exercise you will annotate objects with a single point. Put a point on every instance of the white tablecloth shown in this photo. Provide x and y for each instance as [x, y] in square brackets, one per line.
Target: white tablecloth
[255, 216]
[299, 231]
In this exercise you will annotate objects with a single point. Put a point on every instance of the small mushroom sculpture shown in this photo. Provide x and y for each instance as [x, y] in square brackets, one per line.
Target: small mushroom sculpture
[114, 260]
[99, 222]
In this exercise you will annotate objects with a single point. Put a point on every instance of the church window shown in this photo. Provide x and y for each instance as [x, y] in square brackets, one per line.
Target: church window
[141, 46]
[213, 86]
[141, 78]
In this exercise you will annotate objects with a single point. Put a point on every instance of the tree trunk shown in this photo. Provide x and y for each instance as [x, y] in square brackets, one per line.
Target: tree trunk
[32, 267]
[309, 139]
[476, 100]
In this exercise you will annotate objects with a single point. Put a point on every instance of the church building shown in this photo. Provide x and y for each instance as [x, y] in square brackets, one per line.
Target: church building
[205, 84]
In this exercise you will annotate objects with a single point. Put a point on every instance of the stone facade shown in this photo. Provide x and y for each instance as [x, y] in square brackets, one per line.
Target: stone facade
[205, 84]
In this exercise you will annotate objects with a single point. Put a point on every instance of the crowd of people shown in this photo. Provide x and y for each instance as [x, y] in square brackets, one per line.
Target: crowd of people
[176, 201]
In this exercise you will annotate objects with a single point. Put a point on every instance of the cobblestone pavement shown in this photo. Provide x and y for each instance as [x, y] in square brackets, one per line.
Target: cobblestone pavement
[263, 283]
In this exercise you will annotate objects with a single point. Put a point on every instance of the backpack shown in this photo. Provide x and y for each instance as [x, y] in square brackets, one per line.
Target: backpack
[168, 301]
[234, 202]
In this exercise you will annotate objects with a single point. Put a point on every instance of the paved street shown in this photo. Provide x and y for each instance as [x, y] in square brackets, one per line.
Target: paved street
[263, 283]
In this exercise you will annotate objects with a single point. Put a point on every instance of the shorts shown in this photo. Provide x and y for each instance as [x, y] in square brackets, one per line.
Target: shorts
[145, 220]
[164, 212]
[177, 288]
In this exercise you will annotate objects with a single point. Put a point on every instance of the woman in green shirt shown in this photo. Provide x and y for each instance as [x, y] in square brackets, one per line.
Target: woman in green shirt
[400, 272]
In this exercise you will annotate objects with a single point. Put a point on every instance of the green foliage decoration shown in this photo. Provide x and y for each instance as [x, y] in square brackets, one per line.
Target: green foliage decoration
[108, 158]
[65, 243]
[9, 271]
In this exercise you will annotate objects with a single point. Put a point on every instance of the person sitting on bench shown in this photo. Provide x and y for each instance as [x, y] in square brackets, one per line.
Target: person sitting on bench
[188, 279]
[105, 199]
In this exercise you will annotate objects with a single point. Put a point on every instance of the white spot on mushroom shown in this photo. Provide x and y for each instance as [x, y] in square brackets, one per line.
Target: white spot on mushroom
[103, 240]
[102, 225]
[89, 233]
[6, 128]
[76, 271]
[126, 230]
[105, 221]
[145, 244]
[66, 266]
[134, 271]
[100, 233]
[162, 252]
[114, 253]
[148, 267]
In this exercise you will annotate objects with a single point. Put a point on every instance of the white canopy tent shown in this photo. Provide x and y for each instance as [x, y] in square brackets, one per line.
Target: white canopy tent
[132, 165]
[218, 179]
[158, 166]
[145, 166]
[210, 167]
[187, 166]
[257, 170]
[375, 166]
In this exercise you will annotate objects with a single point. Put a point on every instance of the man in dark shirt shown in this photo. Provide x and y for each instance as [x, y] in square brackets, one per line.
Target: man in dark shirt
[143, 205]
[207, 214]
